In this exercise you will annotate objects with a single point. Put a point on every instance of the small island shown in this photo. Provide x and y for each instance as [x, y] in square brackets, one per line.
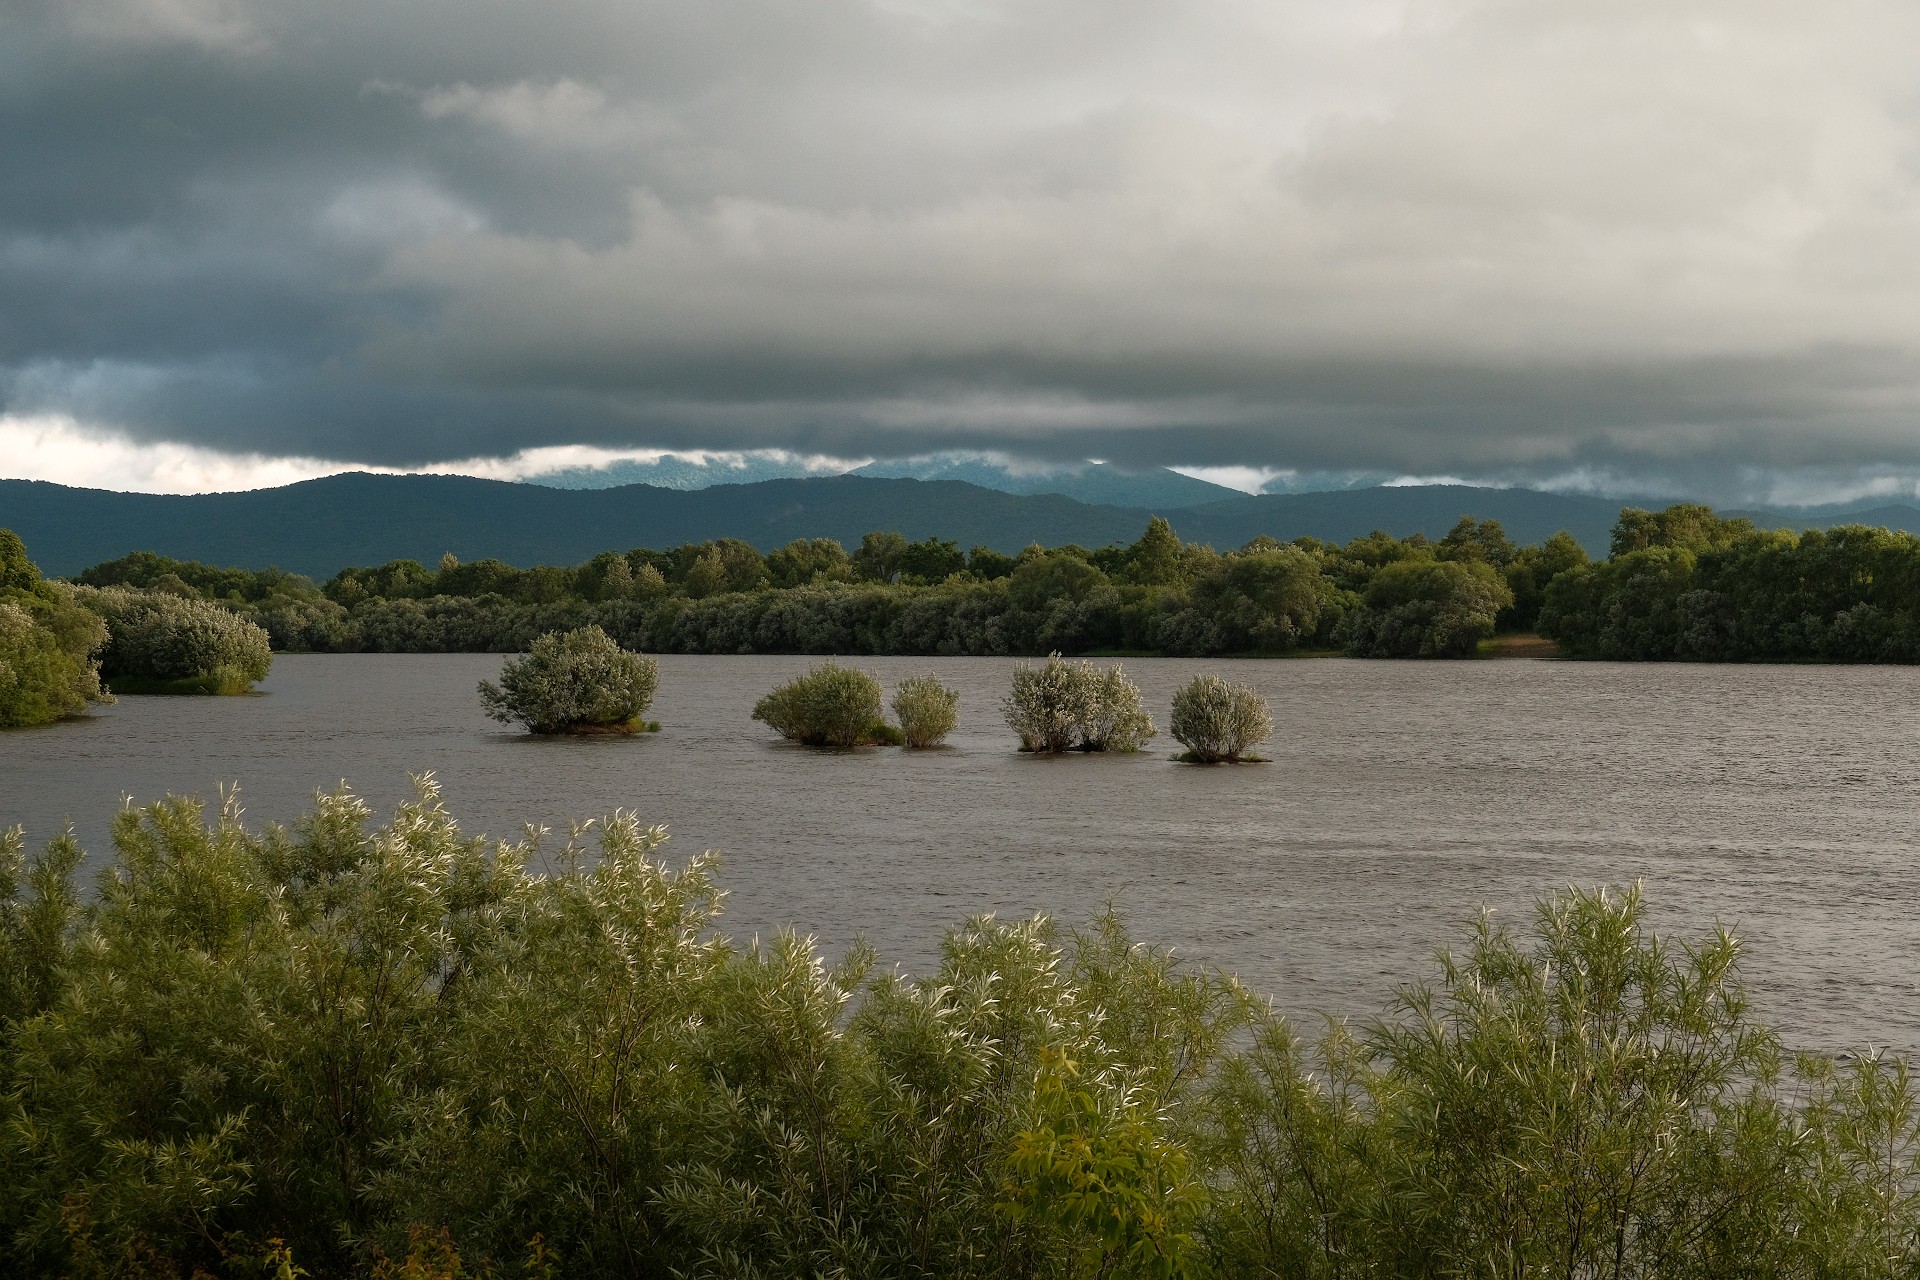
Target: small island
[575, 682]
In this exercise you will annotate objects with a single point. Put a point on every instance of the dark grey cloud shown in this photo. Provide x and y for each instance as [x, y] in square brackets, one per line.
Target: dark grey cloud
[1647, 244]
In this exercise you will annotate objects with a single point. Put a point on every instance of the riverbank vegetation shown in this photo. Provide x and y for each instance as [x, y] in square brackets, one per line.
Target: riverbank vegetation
[161, 642]
[1683, 583]
[576, 682]
[1687, 584]
[363, 1049]
[890, 596]
[48, 645]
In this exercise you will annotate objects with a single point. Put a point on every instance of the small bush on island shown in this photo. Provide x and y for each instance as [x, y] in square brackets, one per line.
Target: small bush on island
[1219, 722]
[579, 682]
[830, 706]
[926, 709]
[160, 641]
[47, 645]
[1075, 706]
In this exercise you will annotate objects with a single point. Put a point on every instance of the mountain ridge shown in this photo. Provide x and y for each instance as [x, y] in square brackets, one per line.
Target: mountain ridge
[319, 526]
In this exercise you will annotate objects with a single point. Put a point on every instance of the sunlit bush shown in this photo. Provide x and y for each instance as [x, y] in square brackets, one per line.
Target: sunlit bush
[1218, 721]
[47, 643]
[1076, 706]
[830, 706]
[361, 1049]
[574, 682]
[926, 709]
[162, 642]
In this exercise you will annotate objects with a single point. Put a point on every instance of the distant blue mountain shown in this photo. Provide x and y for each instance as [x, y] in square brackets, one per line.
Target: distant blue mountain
[1095, 483]
[320, 526]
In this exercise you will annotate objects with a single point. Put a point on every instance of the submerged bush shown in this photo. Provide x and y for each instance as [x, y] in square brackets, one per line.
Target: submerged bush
[392, 1049]
[926, 709]
[162, 642]
[830, 706]
[1076, 706]
[574, 682]
[1217, 721]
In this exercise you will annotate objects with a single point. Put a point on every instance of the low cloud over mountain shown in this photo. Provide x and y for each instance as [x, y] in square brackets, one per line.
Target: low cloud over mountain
[1649, 247]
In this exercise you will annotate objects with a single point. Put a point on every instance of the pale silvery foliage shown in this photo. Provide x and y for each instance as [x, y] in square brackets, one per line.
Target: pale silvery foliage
[926, 709]
[572, 680]
[1216, 720]
[153, 635]
[1115, 719]
[1064, 706]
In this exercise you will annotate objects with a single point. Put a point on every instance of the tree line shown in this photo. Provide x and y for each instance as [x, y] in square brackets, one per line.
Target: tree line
[343, 1049]
[1686, 584]
[1377, 596]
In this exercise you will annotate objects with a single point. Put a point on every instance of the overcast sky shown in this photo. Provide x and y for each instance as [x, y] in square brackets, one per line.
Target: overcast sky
[1619, 245]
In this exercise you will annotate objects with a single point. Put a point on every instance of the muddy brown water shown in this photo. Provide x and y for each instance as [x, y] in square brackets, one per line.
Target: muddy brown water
[1782, 801]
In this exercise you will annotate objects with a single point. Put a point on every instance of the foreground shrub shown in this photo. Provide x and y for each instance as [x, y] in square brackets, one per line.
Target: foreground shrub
[337, 1046]
[162, 642]
[47, 643]
[574, 682]
[1217, 721]
[1076, 706]
[830, 706]
[926, 709]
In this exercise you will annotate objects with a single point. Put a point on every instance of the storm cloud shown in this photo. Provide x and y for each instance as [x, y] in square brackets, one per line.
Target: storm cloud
[1655, 245]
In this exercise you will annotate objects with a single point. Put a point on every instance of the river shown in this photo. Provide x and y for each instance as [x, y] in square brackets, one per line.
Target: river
[1402, 797]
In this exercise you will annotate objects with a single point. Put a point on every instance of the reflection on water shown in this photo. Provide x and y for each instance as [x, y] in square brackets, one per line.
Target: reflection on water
[1402, 796]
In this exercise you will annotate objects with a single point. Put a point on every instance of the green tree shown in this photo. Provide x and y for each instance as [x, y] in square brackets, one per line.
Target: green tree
[1155, 559]
[47, 644]
[1529, 572]
[1419, 608]
[931, 560]
[879, 556]
[809, 560]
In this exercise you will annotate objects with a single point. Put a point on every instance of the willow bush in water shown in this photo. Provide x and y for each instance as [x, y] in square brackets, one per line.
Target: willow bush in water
[830, 706]
[926, 709]
[400, 1050]
[1075, 706]
[574, 682]
[1218, 721]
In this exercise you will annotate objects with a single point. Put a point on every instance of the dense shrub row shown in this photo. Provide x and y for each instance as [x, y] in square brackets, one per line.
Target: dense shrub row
[357, 1049]
[160, 642]
[1679, 584]
[1376, 596]
[1686, 584]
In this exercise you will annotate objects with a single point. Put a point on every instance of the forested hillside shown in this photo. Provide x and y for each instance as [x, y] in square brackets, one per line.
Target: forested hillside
[322, 526]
